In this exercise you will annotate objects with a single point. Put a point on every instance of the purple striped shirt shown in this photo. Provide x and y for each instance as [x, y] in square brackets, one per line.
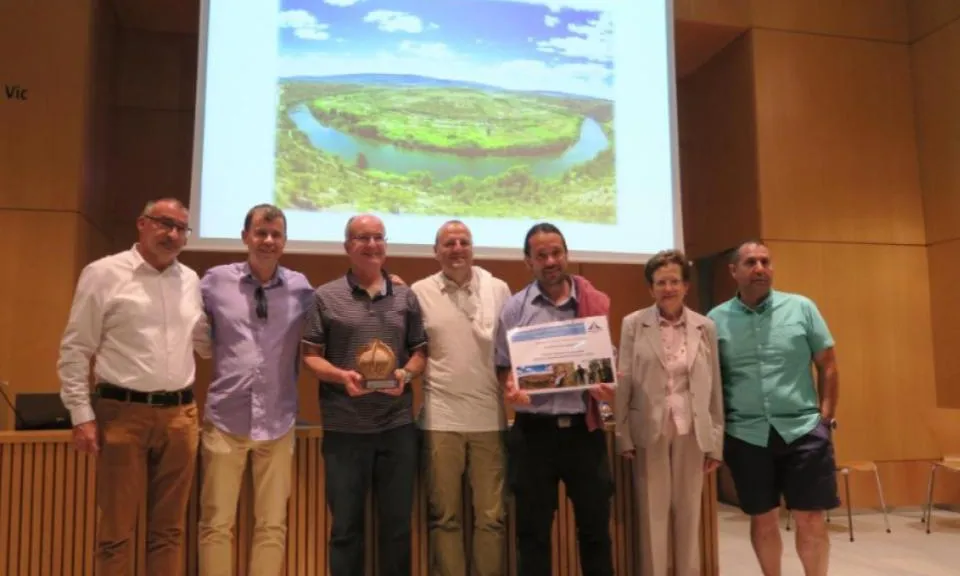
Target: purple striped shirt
[255, 361]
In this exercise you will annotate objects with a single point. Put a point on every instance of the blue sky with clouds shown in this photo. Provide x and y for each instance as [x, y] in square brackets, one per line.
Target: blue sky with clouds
[562, 45]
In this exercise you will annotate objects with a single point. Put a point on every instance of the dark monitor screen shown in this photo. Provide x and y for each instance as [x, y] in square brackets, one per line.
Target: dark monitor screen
[41, 411]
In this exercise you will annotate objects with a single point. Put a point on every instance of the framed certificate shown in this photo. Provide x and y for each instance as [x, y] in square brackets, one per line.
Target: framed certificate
[562, 356]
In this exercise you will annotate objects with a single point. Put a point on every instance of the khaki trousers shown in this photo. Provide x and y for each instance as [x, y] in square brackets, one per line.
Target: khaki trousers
[144, 450]
[669, 476]
[482, 456]
[224, 459]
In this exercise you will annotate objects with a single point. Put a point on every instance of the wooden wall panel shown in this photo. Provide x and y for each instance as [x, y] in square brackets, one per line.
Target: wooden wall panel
[867, 19]
[151, 148]
[935, 57]
[695, 43]
[150, 158]
[35, 309]
[718, 152]
[723, 12]
[936, 87]
[48, 143]
[47, 50]
[724, 286]
[835, 138]
[876, 303]
[48, 516]
[927, 16]
[178, 17]
[156, 70]
[944, 279]
[48, 176]
[95, 203]
[90, 244]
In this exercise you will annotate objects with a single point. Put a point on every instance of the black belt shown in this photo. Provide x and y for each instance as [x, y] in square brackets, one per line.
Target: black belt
[559, 420]
[164, 398]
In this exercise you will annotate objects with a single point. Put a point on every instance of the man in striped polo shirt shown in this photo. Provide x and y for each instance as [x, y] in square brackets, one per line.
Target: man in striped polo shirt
[362, 331]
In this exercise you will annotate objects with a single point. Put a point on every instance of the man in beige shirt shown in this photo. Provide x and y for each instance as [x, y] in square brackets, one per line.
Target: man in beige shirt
[463, 414]
[138, 312]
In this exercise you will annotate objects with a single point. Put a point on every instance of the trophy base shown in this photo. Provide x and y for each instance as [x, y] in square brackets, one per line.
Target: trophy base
[380, 384]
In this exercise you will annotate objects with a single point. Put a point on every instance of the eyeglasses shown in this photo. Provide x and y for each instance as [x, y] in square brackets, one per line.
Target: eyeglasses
[367, 238]
[169, 224]
[261, 297]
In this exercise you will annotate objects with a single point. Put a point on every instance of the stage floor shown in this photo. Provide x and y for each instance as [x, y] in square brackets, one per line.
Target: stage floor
[907, 551]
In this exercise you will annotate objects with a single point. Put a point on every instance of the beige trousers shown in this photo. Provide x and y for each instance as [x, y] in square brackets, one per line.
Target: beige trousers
[669, 476]
[482, 456]
[224, 461]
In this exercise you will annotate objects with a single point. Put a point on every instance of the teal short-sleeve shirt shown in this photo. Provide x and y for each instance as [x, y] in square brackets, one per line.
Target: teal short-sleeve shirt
[766, 357]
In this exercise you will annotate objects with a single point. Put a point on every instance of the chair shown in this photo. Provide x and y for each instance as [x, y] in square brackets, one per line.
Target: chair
[949, 462]
[844, 469]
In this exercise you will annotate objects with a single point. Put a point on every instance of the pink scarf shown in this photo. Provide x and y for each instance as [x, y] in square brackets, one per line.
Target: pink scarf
[591, 302]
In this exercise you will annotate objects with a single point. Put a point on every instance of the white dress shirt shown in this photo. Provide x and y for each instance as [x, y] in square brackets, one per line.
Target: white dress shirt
[138, 322]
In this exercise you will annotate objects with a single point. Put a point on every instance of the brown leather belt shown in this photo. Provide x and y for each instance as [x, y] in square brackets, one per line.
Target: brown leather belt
[163, 398]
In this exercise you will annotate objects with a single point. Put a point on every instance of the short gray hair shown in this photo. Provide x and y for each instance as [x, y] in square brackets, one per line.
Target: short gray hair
[152, 203]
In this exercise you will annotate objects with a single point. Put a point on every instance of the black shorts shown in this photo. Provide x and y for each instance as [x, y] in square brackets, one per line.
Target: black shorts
[803, 472]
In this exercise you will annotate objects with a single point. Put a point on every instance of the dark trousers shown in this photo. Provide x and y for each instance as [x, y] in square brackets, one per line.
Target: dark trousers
[542, 451]
[353, 464]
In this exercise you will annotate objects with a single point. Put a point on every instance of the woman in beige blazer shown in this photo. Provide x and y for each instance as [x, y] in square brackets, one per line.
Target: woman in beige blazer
[669, 415]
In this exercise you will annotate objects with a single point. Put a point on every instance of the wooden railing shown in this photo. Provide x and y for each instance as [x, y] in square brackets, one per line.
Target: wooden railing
[48, 516]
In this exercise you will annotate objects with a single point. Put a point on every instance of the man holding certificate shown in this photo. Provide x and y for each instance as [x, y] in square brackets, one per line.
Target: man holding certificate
[557, 434]
[365, 341]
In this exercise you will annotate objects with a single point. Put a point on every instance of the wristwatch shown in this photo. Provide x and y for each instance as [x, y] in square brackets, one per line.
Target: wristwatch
[831, 423]
[408, 376]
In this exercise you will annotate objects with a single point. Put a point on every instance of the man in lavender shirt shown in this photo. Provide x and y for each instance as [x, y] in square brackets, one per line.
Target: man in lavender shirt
[256, 311]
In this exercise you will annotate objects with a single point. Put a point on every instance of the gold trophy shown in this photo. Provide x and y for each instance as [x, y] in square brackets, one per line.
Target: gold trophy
[376, 362]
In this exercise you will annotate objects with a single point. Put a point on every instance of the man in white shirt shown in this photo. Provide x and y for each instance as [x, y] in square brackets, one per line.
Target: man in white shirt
[463, 413]
[137, 312]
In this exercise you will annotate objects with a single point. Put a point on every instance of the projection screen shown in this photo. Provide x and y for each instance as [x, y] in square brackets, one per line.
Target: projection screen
[500, 113]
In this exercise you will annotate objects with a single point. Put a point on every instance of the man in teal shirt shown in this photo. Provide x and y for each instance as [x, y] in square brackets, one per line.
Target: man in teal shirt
[778, 422]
